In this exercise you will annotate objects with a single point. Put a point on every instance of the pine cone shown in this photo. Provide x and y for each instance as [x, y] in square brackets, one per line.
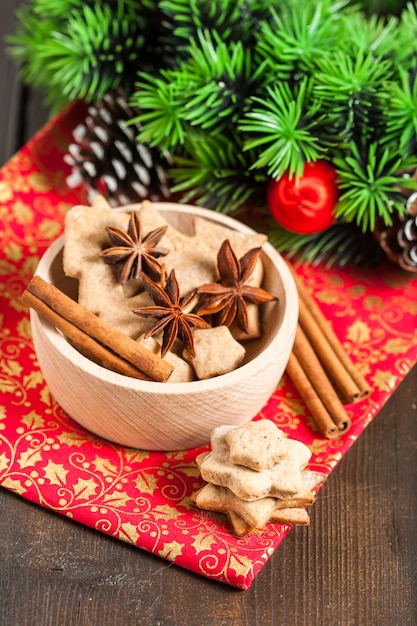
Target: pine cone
[399, 241]
[107, 158]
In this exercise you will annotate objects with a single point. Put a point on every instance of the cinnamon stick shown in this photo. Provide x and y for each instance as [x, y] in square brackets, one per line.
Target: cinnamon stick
[318, 411]
[345, 375]
[83, 324]
[317, 384]
[341, 378]
[85, 344]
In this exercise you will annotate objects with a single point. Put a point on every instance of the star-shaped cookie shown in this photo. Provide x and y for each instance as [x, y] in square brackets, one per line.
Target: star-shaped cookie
[282, 480]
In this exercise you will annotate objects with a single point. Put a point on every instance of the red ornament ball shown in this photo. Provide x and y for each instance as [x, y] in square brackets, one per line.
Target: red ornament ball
[305, 204]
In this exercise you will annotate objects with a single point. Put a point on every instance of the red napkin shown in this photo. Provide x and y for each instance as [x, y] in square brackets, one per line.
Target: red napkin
[144, 497]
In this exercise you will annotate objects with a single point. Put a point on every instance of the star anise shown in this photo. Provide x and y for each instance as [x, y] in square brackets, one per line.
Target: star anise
[226, 299]
[137, 253]
[171, 313]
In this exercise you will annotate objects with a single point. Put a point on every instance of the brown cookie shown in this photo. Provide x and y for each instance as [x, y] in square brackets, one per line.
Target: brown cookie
[214, 498]
[258, 445]
[281, 480]
[296, 516]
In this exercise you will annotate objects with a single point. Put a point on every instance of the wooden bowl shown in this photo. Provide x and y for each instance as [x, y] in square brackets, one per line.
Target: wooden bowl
[168, 416]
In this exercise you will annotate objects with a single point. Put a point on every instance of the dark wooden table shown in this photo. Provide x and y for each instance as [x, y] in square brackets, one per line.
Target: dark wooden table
[356, 564]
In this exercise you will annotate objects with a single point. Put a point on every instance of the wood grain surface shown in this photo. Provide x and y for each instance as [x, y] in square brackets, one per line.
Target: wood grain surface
[355, 565]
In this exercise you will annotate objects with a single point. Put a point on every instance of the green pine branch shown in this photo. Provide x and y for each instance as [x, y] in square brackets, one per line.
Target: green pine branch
[161, 100]
[295, 37]
[371, 184]
[350, 91]
[281, 130]
[77, 49]
[371, 34]
[207, 91]
[222, 76]
[55, 11]
[401, 114]
[232, 20]
[24, 47]
[217, 175]
[241, 91]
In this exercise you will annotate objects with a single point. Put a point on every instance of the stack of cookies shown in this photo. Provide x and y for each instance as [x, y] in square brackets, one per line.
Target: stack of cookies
[256, 475]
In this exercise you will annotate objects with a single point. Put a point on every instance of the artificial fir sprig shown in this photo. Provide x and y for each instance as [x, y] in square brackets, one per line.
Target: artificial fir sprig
[232, 20]
[296, 35]
[405, 46]
[330, 98]
[371, 185]
[221, 77]
[209, 90]
[30, 36]
[282, 127]
[86, 60]
[401, 115]
[84, 49]
[217, 176]
[54, 10]
[161, 116]
[349, 92]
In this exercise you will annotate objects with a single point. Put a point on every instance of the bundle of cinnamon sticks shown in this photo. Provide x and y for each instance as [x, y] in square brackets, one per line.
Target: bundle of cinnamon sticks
[321, 370]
